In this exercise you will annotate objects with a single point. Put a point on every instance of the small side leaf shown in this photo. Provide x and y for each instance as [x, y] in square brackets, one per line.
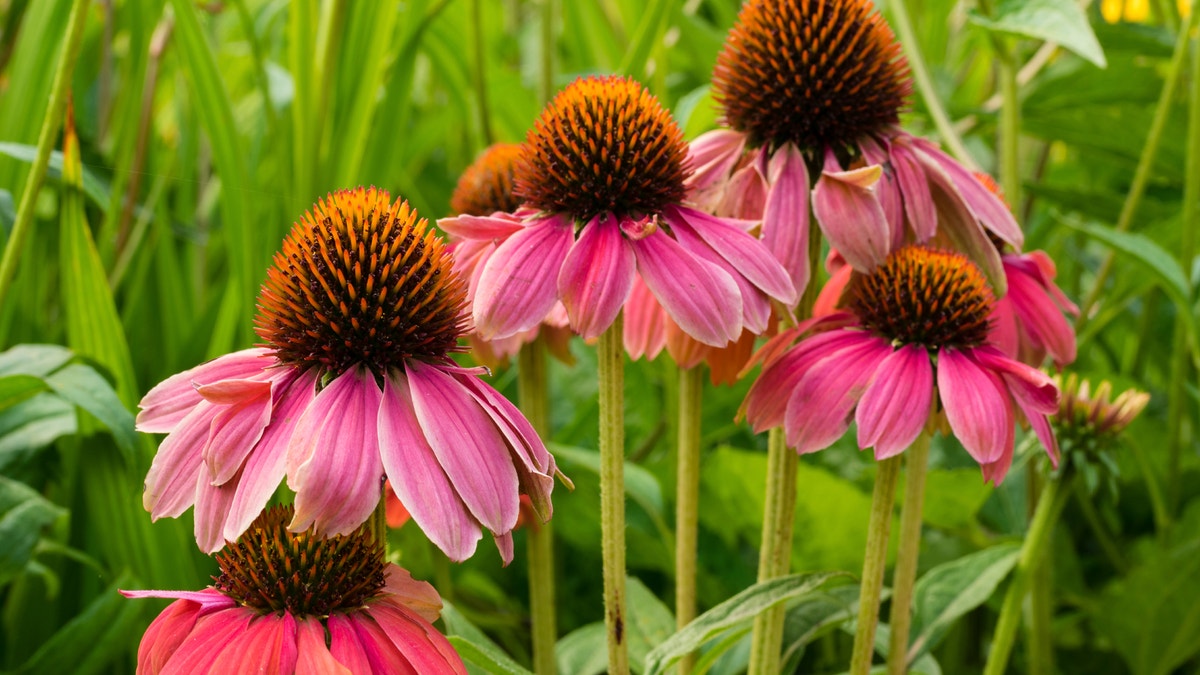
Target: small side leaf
[23, 514]
[1059, 21]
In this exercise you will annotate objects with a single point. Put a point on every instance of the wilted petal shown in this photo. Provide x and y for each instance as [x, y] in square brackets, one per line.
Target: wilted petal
[699, 296]
[596, 276]
[165, 406]
[419, 596]
[958, 226]
[518, 285]
[896, 404]
[850, 214]
[977, 406]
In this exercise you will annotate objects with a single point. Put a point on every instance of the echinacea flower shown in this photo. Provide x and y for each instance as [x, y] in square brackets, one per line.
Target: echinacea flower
[602, 179]
[295, 603]
[359, 313]
[818, 85]
[915, 327]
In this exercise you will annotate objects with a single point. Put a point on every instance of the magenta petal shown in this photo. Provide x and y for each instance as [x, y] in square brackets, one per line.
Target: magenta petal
[1039, 314]
[237, 427]
[212, 511]
[1035, 393]
[480, 227]
[379, 648]
[785, 218]
[596, 276]
[820, 410]
[518, 285]
[268, 645]
[766, 402]
[211, 635]
[748, 256]
[171, 400]
[645, 330]
[418, 477]
[164, 635]
[989, 208]
[698, 295]
[338, 484]
[977, 406]
[468, 445]
[896, 404]
[918, 202]
[850, 215]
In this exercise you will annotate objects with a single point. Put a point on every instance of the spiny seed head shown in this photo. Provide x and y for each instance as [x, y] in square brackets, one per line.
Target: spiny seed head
[924, 296]
[360, 280]
[487, 185]
[817, 73]
[273, 570]
[604, 144]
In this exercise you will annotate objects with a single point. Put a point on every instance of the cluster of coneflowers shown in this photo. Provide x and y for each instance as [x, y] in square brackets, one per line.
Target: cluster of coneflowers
[605, 223]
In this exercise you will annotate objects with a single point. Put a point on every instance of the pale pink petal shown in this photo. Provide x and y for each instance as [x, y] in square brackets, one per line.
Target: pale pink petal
[209, 599]
[212, 510]
[518, 285]
[887, 190]
[339, 482]
[267, 464]
[748, 256]
[480, 228]
[745, 194]
[645, 323]
[419, 596]
[914, 186]
[245, 411]
[171, 400]
[596, 276]
[785, 218]
[820, 410]
[418, 477]
[897, 402]
[313, 657]
[977, 406]
[468, 446]
[698, 295]
[268, 645]
[712, 156]
[989, 208]
[470, 257]
[419, 642]
[171, 481]
[347, 647]
[850, 214]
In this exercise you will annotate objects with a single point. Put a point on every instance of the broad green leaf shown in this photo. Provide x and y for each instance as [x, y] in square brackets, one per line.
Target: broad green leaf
[736, 612]
[95, 188]
[17, 388]
[814, 615]
[583, 651]
[486, 656]
[950, 590]
[1059, 21]
[953, 497]
[37, 360]
[459, 625]
[84, 387]
[641, 485]
[697, 112]
[92, 641]
[648, 624]
[23, 515]
[34, 424]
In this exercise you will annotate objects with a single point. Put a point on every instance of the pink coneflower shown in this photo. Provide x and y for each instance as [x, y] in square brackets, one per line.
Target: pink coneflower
[919, 320]
[358, 314]
[602, 179]
[817, 86]
[296, 603]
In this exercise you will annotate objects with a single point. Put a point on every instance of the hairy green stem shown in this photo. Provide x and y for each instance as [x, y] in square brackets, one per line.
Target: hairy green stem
[905, 575]
[1048, 509]
[1010, 125]
[531, 393]
[920, 75]
[611, 364]
[879, 529]
[46, 138]
[1145, 164]
[687, 499]
[774, 556]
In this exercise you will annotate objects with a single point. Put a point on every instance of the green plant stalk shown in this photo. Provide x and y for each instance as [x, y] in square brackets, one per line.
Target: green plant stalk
[46, 139]
[687, 499]
[1045, 516]
[1177, 399]
[905, 575]
[1141, 175]
[879, 529]
[611, 365]
[531, 394]
[1041, 617]
[774, 557]
[920, 75]
[1010, 124]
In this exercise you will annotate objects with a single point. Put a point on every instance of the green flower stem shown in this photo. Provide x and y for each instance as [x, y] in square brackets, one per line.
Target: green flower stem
[1048, 509]
[687, 499]
[905, 575]
[774, 556]
[1041, 616]
[920, 74]
[1145, 164]
[874, 560]
[611, 364]
[531, 393]
[1010, 124]
[46, 139]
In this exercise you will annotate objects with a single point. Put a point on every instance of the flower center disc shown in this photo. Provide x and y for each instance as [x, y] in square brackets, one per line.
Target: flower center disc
[604, 144]
[272, 570]
[487, 185]
[360, 280]
[926, 297]
[817, 73]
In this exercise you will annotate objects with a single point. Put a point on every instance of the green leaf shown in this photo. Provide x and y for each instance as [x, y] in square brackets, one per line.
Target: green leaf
[1059, 21]
[649, 623]
[949, 591]
[459, 625]
[34, 424]
[84, 387]
[486, 656]
[736, 612]
[23, 515]
[814, 615]
[640, 485]
[697, 112]
[583, 651]
[92, 641]
[17, 388]
[953, 497]
[95, 188]
[37, 360]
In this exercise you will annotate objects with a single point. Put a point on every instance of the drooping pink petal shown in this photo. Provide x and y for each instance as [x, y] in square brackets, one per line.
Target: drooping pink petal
[418, 477]
[267, 464]
[785, 217]
[596, 276]
[480, 228]
[887, 190]
[992, 212]
[347, 647]
[339, 478]
[1039, 314]
[268, 645]
[418, 596]
[518, 285]
[211, 635]
[766, 402]
[379, 648]
[699, 296]
[245, 411]
[212, 510]
[419, 642]
[468, 446]
[831, 293]
[171, 481]
[1002, 328]
[977, 406]
[896, 404]
[1035, 393]
[313, 657]
[644, 330]
[850, 214]
[164, 635]
[165, 406]
[959, 229]
[914, 186]
[821, 408]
